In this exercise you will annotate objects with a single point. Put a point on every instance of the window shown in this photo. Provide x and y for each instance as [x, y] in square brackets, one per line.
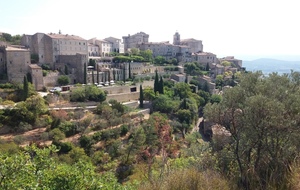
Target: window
[79, 43]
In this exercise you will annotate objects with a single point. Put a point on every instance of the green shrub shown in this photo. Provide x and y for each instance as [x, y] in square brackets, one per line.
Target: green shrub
[19, 139]
[57, 135]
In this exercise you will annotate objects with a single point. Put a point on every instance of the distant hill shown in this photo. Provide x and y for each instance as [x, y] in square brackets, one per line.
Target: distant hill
[272, 65]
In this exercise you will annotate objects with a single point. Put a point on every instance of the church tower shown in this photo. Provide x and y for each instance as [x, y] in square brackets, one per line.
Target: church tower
[176, 38]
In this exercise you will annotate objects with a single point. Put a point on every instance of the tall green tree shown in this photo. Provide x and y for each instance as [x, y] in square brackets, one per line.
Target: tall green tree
[124, 73]
[97, 74]
[25, 88]
[93, 77]
[161, 85]
[84, 74]
[66, 70]
[29, 77]
[186, 78]
[207, 67]
[114, 74]
[129, 70]
[156, 82]
[141, 97]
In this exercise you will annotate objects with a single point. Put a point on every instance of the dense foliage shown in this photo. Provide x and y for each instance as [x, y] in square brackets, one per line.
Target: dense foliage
[262, 116]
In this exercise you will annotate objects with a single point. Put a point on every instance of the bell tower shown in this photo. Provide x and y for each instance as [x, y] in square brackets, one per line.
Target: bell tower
[176, 38]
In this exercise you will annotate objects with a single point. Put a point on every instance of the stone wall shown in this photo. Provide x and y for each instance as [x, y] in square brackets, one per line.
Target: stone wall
[124, 97]
[51, 79]
[17, 64]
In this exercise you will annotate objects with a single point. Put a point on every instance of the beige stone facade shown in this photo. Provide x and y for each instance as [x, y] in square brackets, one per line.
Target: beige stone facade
[15, 63]
[131, 41]
[194, 45]
[49, 46]
[36, 76]
[167, 50]
[93, 50]
[117, 45]
[205, 58]
[75, 64]
[105, 47]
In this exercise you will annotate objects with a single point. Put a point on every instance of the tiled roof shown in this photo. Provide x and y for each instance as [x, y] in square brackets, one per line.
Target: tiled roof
[64, 36]
[34, 66]
[189, 40]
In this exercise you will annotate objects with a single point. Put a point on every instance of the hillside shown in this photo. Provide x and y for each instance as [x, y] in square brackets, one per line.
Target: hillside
[267, 65]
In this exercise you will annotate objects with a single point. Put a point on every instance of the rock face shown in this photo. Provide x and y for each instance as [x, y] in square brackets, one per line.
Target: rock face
[220, 130]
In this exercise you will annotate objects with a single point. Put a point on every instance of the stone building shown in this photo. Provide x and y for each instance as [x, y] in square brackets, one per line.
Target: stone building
[167, 50]
[104, 47]
[75, 64]
[36, 76]
[131, 41]
[48, 47]
[117, 45]
[194, 45]
[236, 62]
[94, 50]
[205, 58]
[15, 63]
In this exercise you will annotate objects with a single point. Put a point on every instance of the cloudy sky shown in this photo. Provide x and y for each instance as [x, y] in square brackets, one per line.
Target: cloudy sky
[247, 29]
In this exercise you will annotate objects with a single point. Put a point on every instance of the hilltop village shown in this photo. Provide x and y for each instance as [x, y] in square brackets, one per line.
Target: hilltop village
[118, 113]
[133, 114]
[111, 59]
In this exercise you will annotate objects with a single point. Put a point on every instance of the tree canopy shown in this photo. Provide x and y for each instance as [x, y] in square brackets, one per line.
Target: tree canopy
[262, 115]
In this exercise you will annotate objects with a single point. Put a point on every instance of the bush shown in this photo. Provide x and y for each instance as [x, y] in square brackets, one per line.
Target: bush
[45, 73]
[64, 147]
[23, 127]
[57, 135]
[63, 80]
[124, 130]
[19, 139]
[45, 136]
[7, 85]
[97, 136]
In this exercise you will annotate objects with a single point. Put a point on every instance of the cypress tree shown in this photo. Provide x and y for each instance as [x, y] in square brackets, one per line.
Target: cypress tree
[114, 74]
[108, 76]
[84, 74]
[29, 78]
[207, 67]
[156, 82]
[93, 78]
[97, 74]
[161, 86]
[25, 88]
[186, 78]
[129, 70]
[206, 87]
[141, 97]
[103, 77]
[66, 70]
[124, 74]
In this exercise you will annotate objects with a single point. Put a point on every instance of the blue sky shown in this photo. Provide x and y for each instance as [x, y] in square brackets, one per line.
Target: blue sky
[243, 28]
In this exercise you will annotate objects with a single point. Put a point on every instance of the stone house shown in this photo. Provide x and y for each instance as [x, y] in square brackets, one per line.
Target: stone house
[15, 63]
[131, 41]
[205, 58]
[50, 46]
